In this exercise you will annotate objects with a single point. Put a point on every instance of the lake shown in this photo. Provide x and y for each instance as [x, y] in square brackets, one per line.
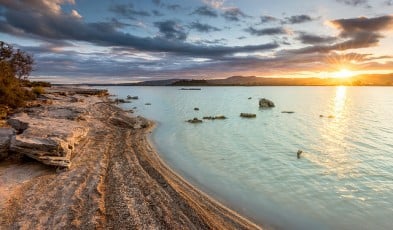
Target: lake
[343, 180]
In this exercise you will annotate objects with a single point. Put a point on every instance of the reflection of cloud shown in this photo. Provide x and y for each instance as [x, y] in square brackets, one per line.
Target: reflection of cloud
[218, 4]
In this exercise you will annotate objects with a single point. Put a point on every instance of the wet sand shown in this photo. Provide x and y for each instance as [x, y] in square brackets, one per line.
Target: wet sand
[116, 181]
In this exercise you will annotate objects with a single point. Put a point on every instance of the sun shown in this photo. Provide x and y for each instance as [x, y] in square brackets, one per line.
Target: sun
[344, 73]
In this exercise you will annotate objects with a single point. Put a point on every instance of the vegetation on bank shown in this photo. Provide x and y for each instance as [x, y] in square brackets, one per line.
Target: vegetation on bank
[15, 68]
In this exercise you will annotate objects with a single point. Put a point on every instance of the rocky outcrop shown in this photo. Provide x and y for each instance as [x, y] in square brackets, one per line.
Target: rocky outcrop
[194, 121]
[132, 97]
[218, 117]
[248, 115]
[5, 140]
[266, 103]
[49, 140]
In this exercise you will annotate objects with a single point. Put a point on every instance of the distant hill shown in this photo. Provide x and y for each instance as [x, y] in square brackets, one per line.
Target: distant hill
[367, 80]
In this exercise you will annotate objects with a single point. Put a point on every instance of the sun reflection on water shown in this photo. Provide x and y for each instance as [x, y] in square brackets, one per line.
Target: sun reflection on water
[335, 152]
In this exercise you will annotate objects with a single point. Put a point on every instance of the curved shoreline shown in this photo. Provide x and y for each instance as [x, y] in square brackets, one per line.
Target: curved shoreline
[117, 180]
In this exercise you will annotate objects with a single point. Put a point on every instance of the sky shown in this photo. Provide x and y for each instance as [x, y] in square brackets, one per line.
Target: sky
[113, 41]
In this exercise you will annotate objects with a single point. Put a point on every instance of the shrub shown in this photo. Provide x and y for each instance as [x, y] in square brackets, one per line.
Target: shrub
[12, 68]
[38, 90]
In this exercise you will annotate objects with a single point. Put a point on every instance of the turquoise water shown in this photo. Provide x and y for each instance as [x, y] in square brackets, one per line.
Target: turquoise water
[344, 179]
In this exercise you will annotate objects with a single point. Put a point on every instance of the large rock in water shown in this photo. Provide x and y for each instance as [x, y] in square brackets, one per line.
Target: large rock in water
[266, 103]
[5, 140]
[49, 140]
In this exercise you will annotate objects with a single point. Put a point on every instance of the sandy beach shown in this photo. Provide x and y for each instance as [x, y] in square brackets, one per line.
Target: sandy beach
[116, 180]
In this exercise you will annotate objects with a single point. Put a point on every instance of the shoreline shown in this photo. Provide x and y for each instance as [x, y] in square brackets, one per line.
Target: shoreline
[117, 180]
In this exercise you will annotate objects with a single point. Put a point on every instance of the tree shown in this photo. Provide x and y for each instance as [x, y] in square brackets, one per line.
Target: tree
[20, 62]
[14, 65]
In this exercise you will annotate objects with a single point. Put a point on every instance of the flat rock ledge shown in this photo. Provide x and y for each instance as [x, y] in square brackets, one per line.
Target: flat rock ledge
[48, 132]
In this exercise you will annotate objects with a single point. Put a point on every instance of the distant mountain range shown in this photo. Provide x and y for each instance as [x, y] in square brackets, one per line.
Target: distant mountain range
[360, 80]
[367, 80]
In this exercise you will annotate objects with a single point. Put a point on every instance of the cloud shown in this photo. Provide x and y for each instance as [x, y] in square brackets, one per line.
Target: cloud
[63, 27]
[307, 38]
[205, 11]
[156, 2]
[389, 2]
[267, 19]
[75, 14]
[171, 30]
[127, 11]
[173, 7]
[50, 7]
[217, 4]
[233, 14]
[267, 31]
[297, 19]
[353, 2]
[203, 28]
[352, 26]
[157, 13]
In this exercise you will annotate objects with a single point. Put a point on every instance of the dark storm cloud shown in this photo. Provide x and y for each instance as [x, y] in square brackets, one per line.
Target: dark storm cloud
[25, 23]
[353, 2]
[297, 19]
[266, 31]
[363, 24]
[171, 30]
[203, 28]
[307, 38]
[233, 14]
[127, 11]
[205, 11]
[267, 19]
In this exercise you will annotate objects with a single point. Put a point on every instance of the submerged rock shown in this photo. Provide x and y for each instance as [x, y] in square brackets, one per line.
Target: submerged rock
[148, 103]
[132, 97]
[196, 109]
[249, 98]
[218, 117]
[248, 115]
[266, 103]
[121, 101]
[299, 152]
[288, 112]
[195, 120]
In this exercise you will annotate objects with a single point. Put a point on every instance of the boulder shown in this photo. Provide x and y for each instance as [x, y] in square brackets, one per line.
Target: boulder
[248, 115]
[5, 140]
[195, 120]
[132, 97]
[46, 139]
[266, 103]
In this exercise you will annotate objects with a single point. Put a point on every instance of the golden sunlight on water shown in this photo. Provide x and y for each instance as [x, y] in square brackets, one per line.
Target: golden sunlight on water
[334, 153]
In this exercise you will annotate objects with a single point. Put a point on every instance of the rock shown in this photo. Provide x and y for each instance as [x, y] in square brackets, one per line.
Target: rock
[299, 152]
[5, 140]
[265, 103]
[330, 116]
[196, 109]
[320, 115]
[147, 103]
[121, 101]
[288, 112]
[195, 120]
[132, 97]
[18, 122]
[248, 115]
[46, 139]
[249, 98]
[218, 117]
